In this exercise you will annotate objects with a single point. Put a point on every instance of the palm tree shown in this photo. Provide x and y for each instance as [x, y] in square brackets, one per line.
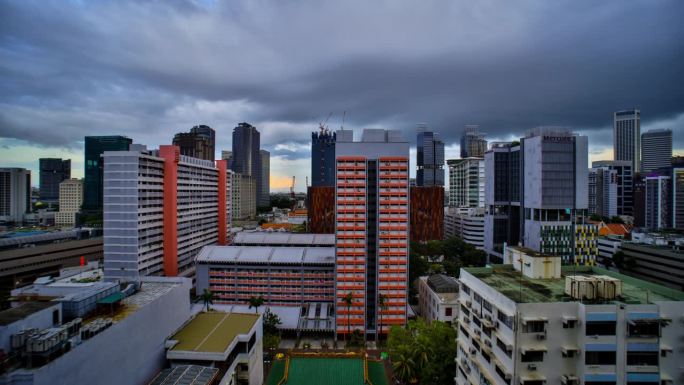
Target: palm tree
[382, 304]
[255, 302]
[404, 366]
[347, 299]
[208, 298]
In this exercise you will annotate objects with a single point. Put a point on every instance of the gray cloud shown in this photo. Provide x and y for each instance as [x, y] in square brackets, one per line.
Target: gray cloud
[150, 69]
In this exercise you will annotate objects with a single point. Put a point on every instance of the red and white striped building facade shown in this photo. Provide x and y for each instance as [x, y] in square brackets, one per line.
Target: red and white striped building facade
[372, 231]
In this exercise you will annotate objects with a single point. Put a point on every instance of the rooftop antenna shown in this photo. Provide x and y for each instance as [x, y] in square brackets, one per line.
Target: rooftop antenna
[344, 114]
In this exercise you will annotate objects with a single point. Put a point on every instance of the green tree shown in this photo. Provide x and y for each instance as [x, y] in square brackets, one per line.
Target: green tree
[404, 366]
[208, 298]
[271, 322]
[255, 302]
[616, 219]
[356, 339]
[271, 341]
[382, 306]
[596, 218]
[348, 299]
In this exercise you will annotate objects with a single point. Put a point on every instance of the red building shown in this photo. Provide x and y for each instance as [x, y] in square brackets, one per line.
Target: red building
[321, 205]
[427, 213]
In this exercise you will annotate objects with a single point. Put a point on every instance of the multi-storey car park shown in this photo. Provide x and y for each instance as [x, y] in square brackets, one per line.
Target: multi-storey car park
[566, 325]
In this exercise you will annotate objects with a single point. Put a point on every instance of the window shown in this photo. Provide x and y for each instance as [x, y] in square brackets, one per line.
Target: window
[642, 358]
[532, 356]
[503, 347]
[501, 374]
[447, 312]
[644, 329]
[534, 327]
[569, 324]
[599, 358]
[600, 328]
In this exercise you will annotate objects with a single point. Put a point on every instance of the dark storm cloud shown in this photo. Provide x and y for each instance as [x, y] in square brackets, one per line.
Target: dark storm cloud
[150, 69]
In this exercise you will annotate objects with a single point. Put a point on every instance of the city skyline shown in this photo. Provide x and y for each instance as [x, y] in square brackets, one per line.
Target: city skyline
[446, 65]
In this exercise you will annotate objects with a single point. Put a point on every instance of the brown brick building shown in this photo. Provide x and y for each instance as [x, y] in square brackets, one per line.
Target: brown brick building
[427, 213]
[321, 207]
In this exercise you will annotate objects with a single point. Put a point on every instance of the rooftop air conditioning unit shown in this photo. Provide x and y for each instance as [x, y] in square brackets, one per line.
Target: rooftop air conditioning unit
[531, 366]
[541, 336]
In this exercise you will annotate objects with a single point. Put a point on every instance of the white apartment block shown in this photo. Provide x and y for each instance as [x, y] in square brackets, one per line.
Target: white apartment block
[466, 224]
[243, 196]
[70, 201]
[566, 325]
[438, 298]
[160, 209]
[15, 194]
[466, 182]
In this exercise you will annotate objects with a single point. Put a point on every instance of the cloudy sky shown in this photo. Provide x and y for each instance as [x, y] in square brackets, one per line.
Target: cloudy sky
[149, 69]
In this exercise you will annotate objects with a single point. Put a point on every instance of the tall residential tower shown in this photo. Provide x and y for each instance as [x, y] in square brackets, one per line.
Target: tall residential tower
[372, 230]
[430, 159]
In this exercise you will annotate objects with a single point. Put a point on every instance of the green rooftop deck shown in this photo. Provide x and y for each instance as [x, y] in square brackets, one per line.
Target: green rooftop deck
[213, 332]
[326, 370]
[510, 283]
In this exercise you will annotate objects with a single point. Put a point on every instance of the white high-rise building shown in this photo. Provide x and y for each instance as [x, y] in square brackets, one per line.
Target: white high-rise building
[603, 192]
[658, 200]
[15, 194]
[466, 182]
[70, 201]
[465, 224]
[627, 137]
[565, 325]
[656, 150]
[160, 209]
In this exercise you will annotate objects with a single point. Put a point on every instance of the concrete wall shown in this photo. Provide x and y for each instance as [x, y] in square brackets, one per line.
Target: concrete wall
[130, 352]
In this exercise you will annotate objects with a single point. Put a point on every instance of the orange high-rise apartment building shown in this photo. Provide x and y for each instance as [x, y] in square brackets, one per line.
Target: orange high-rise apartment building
[372, 231]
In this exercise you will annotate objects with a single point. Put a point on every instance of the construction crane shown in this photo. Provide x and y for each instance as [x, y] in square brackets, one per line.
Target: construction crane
[307, 181]
[292, 194]
[323, 126]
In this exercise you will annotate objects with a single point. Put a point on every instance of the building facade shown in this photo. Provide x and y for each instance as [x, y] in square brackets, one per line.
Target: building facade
[438, 298]
[52, 172]
[321, 209]
[473, 142]
[323, 158]
[678, 198]
[372, 230]
[95, 146]
[265, 192]
[70, 201]
[625, 183]
[243, 188]
[656, 150]
[658, 202]
[466, 182]
[627, 137]
[469, 225]
[426, 213]
[603, 192]
[502, 198]
[573, 326]
[430, 162]
[199, 143]
[160, 209]
[15, 194]
[282, 275]
[246, 155]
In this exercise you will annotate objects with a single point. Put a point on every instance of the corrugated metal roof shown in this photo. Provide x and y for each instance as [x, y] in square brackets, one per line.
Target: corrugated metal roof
[271, 254]
[245, 238]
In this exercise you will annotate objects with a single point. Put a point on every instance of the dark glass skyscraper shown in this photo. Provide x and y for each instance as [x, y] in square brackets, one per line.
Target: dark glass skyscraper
[246, 156]
[94, 147]
[473, 142]
[323, 158]
[199, 143]
[430, 159]
[656, 150]
[52, 172]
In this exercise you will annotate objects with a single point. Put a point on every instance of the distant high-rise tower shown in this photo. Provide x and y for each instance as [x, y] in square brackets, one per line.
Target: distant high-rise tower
[323, 158]
[627, 137]
[466, 182]
[199, 143]
[92, 185]
[656, 150]
[430, 159]
[52, 172]
[227, 156]
[15, 194]
[625, 183]
[265, 192]
[658, 202]
[473, 142]
[372, 227]
[246, 155]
